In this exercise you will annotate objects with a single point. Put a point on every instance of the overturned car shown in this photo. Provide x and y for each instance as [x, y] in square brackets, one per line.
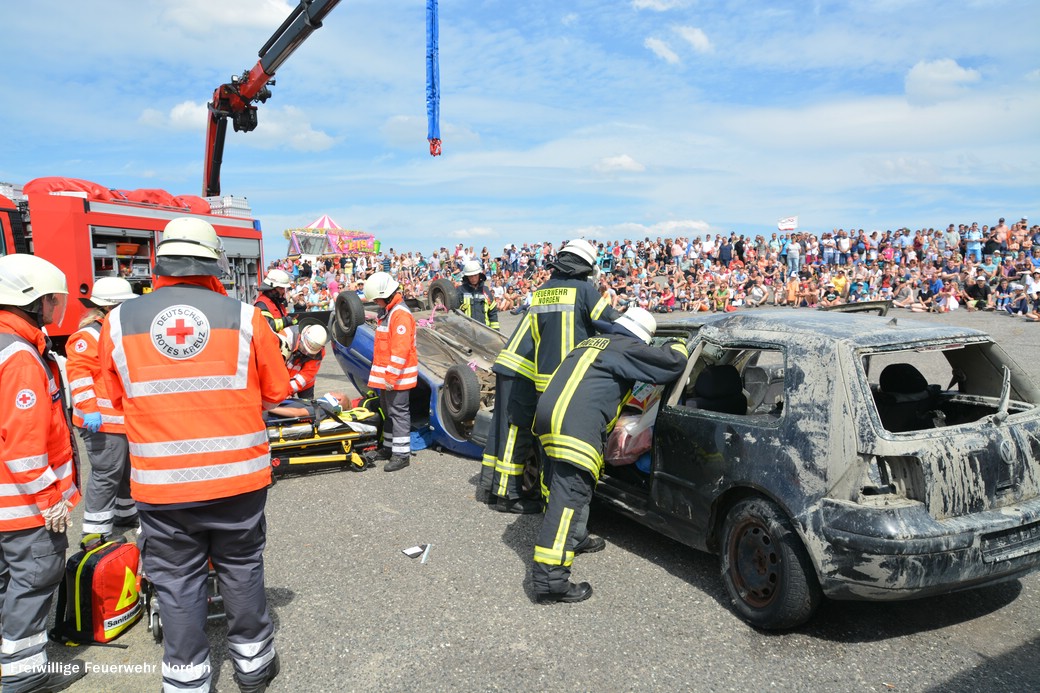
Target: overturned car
[847, 456]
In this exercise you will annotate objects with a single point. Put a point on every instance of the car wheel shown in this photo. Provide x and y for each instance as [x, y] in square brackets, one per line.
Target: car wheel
[442, 293]
[348, 315]
[461, 393]
[765, 568]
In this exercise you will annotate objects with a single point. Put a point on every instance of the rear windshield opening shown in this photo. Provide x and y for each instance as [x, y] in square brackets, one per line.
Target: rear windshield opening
[944, 385]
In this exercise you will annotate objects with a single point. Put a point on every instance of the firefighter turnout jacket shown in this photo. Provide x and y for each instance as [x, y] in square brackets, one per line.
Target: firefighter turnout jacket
[192, 369]
[303, 371]
[561, 313]
[276, 314]
[86, 386]
[585, 396]
[478, 303]
[37, 462]
[395, 363]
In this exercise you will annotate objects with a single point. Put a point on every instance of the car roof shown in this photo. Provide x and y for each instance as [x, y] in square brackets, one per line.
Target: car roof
[857, 329]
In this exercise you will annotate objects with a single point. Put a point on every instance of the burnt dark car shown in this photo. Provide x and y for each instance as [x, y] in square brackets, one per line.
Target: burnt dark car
[845, 456]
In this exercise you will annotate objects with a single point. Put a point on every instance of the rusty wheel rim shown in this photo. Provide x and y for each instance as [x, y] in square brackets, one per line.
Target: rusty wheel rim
[754, 559]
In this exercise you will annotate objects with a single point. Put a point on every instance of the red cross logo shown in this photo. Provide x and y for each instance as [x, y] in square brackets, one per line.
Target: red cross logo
[25, 399]
[180, 331]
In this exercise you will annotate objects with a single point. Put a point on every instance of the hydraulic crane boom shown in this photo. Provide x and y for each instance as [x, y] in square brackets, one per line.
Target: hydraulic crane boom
[236, 99]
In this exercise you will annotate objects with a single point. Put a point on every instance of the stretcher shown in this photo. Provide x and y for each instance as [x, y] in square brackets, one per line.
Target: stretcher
[325, 441]
[153, 614]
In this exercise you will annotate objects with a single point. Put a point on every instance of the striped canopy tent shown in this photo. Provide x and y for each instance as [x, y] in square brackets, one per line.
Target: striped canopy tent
[324, 236]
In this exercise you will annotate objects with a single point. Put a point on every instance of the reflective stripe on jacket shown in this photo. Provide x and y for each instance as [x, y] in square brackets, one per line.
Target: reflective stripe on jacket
[37, 464]
[86, 388]
[517, 356]
[192, 370]
[277, 316]
[584, 397]
[478, 303]
[562, 311]
[395, 363]
[303, 371]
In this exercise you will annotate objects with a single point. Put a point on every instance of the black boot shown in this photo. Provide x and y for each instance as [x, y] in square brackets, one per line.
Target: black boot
[519, 506]
[397, 462]
[574, 593]
[59, 681]
[381, 455]
[591, 544]
[260, 686]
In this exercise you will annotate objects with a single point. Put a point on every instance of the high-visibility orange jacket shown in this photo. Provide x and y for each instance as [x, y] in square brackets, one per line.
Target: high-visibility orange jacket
[37, 466]
[395, 364]
[86, 387]
[277, 315]
[303, 370]
[192, 370]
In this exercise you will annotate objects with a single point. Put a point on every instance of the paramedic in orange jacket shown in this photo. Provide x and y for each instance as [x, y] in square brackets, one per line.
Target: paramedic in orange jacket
[107, 496]
[395, 368]
[37, 471]
[304, 360]
[199, 474]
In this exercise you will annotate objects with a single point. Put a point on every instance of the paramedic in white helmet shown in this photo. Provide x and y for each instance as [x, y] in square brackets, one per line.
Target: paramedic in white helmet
[272, 301]
[101, 427]
[475, 298]
[580, 404]
[305, 359]
[395, 368]
[37, 472]
[562, 314]
[199, 474]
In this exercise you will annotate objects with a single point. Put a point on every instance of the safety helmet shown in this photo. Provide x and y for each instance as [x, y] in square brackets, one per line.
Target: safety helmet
[583, 249]
[276, 279]
[312, 339]
[188, 236]
[25, 279]
[639, 322]
[380, 285]
[286, 338]
[470, 268]
[111, 291]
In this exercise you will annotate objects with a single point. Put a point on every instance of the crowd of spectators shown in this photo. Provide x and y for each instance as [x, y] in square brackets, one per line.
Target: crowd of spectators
[960, 267]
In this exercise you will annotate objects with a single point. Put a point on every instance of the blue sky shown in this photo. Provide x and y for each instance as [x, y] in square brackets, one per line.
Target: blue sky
[593, 118]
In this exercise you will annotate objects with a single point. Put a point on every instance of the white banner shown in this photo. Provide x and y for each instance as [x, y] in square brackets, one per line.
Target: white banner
[787, 224]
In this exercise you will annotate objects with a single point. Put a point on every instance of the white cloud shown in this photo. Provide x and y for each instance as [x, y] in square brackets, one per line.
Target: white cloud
[204, 16]
[657, 5]
[661, 50]
[622, 163]
[475, 232]
[930, 82]
[569, 19]
[696, 38]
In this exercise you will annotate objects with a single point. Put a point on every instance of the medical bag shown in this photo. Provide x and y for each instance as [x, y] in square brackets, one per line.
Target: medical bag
[98, 600]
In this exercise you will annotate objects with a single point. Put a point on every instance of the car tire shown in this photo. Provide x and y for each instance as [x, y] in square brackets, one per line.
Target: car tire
[348, 315]
[442, 292]
[765, 567]
[461, 393]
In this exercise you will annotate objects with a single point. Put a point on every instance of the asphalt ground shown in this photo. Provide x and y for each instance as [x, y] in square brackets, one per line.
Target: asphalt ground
[355, 614]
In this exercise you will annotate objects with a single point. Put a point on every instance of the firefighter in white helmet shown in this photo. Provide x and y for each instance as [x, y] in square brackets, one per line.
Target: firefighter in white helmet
[580, 403]
[272, 301]
[199, 474]
[395, 368]
[307, 349]
[107, 497]
[562, 313]
[474, 298]
[37, 472]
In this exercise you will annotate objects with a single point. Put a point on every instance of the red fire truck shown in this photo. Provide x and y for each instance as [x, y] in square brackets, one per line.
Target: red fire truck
[90, 231]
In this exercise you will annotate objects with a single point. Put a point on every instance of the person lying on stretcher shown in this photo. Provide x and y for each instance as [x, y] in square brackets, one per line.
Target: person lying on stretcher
[294, 408]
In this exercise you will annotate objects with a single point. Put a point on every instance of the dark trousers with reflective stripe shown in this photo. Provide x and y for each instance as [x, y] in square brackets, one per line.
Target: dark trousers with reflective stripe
[510, 448]
[107, 498]
[32, 564]
[397, 421]
[564, 526]
[177, 546]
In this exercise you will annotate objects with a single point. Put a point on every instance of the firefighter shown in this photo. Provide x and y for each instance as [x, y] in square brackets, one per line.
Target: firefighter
[37, 472]
[108, 502]
[199, 474]
[305, 353]
[561, 315]
[395, 368]
[474, 298]
[581, 402]
[272, 302]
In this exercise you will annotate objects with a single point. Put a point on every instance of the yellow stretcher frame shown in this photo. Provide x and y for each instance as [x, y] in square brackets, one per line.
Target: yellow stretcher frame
[322, 451]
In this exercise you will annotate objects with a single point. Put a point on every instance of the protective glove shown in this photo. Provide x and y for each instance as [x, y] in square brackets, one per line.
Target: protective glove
[389, 387]
[92, 421]
[56, 518]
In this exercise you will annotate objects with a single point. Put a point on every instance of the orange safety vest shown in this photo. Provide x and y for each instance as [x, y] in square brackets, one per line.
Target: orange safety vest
[303, 371]
[37, 460]
[192, 369]
[395, 363]
[85, 384]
